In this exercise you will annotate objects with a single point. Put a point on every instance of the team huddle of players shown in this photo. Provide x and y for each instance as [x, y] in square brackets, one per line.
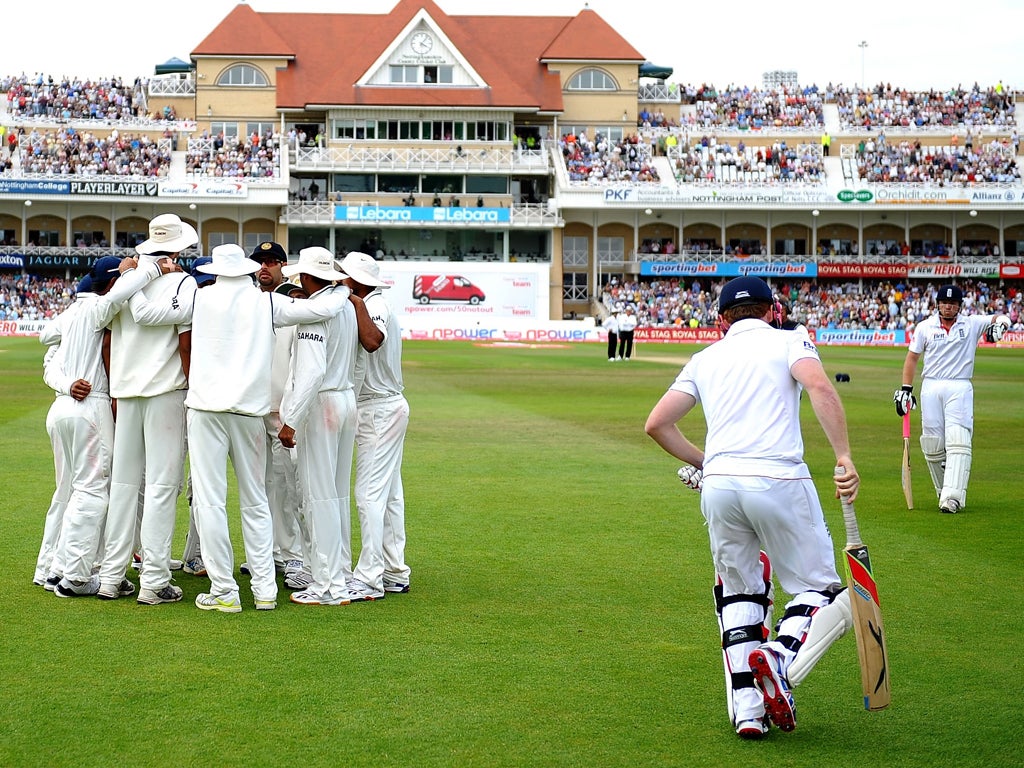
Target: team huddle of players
[288, 379]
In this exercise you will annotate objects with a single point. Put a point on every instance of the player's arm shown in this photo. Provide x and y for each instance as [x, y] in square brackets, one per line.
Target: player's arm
[828, 409]
[177, 310]
[185, 351]
[291, 312]
[995, 327]
[309, 366]
[663, 428]
[370, 335]
[53, 371]
[910, 368]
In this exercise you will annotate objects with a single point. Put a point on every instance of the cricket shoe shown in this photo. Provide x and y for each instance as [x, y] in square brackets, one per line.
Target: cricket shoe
[778, 701]
[67, 588]
[168, 594]
[226, 604]
[360, 592]
[111, 592]
[312, 596]
[391, 585]
[950, 506]
[51, 583]
[299, 579]
[266, 605]
[195, 566]
[752, 729]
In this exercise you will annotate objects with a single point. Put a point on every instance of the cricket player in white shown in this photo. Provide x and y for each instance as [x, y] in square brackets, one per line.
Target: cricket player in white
[148, 382]
[83, 421]
[318, 415]
[382, 418]
[757, 494]
[49, 563]
[949, 342]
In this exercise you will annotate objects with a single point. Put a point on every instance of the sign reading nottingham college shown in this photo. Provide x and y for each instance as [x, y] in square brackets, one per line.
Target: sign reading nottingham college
[374, 214]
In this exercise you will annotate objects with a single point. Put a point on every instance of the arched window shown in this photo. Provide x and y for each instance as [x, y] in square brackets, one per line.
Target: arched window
[592, 80]
[245, 75]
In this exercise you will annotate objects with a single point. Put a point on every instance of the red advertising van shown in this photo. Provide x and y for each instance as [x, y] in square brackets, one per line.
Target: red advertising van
[428, 288]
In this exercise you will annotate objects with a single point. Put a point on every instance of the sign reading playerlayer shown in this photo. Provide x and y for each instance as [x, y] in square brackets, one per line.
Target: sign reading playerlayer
[466, 291]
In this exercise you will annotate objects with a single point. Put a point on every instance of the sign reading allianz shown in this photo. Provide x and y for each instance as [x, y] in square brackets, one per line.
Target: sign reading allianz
[380, 214]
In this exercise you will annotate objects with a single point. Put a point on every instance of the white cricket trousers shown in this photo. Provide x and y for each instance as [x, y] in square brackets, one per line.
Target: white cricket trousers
[85, 430]
[782, 517]
[381, 425]
[212, 438]
[149, 446]
[282, 493]
[946, 403]
[51, 559]
[324, 444]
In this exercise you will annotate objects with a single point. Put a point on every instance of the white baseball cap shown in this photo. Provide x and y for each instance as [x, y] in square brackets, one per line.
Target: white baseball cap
[317, 262]
[362, 268]
[229, 260]
[169, 234]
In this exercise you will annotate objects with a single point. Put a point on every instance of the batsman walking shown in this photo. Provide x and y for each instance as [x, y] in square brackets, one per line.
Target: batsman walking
[949, 342]
[757, 494]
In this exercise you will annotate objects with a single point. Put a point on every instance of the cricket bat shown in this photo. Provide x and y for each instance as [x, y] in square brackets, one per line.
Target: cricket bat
[867, 614]
[908, 492]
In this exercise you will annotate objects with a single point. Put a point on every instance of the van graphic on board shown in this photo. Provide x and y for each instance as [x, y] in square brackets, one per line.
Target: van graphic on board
[428, 288]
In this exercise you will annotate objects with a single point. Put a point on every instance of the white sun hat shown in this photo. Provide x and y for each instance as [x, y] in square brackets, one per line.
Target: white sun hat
[315, 261]
[362, 268]
[168, 234]
[229, 260]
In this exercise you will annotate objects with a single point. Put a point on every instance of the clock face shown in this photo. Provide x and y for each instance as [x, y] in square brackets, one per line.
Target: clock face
[422, 42]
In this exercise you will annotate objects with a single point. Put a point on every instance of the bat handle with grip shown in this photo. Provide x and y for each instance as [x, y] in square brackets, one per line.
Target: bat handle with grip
[849, 515]
[906, 425]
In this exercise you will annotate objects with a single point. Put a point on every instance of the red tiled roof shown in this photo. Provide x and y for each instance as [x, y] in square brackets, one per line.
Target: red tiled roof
[331, 52]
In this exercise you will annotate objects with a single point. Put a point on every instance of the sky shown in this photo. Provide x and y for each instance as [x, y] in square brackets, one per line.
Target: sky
[908, 44]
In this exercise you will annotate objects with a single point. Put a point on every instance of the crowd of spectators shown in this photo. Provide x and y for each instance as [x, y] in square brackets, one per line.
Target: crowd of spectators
[910, 161]
[879, 305]
[885, 106]
[71, 152]
[29, 297]
[745, 108]
[601, 160]
[254, 156]
[709, 160]
[42, 97]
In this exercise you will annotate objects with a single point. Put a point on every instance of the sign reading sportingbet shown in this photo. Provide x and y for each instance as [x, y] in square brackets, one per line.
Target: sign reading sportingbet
[728, 268]
[379, 214]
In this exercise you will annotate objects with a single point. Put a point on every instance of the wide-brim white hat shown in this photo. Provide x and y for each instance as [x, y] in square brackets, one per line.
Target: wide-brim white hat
[229, 260]
[317, 262]
[362, 268]
[169, 234]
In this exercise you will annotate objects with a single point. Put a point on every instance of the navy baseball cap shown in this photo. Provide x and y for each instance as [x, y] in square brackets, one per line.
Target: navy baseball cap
[744, 290]
[202, 278]
[269, 250]
[104, 270]
[85, 285]
[951, 293]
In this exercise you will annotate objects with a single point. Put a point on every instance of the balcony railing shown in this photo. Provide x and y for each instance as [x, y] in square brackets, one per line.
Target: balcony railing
[446, 158]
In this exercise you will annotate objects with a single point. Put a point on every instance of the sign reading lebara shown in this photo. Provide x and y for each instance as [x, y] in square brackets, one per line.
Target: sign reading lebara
[421, 214]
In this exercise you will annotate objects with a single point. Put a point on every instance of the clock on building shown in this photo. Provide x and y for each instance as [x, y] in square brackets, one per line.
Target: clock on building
[422, 43]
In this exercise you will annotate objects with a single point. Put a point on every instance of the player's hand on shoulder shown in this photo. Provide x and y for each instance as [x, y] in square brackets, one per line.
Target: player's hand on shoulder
[691, 477]
[904, 400]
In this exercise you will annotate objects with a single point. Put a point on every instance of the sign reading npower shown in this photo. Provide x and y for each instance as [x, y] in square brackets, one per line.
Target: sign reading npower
[466, 291]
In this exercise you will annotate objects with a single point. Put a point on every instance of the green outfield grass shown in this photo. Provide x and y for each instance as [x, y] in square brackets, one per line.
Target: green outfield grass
[560, 612]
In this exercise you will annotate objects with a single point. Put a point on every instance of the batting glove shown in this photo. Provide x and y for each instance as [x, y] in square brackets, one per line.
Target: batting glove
[905, 400]
[996, 330]
[692, 477]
